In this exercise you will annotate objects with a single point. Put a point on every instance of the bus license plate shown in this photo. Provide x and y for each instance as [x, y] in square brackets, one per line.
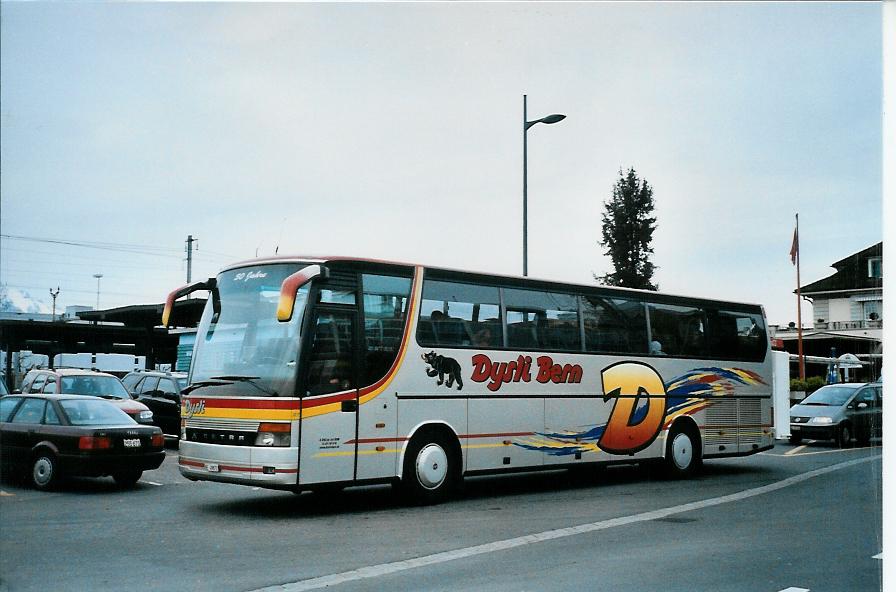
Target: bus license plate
[213, 468]
[132, 442]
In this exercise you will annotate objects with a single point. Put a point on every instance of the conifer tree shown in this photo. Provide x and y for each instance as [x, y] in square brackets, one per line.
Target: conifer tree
[628, 225]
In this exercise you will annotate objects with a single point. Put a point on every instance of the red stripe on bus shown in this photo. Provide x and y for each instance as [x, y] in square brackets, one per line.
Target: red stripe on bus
[193, 463]
[248, 403]
[375, 440]
[496, 435]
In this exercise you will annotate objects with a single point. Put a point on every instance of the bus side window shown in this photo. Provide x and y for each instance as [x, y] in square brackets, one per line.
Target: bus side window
[737, 336]
[681, 330]
[453, 314]
[385, 312]
[542, 320]
[614, 325]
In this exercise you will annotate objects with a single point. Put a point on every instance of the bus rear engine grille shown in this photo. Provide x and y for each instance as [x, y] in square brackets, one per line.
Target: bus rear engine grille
[734, 422]
[228, 437]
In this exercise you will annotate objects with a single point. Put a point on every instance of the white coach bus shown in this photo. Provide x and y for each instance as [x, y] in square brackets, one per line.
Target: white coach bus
[313, 373]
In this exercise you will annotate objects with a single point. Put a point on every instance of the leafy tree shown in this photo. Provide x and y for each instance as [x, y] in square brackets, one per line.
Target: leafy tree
[628, 227]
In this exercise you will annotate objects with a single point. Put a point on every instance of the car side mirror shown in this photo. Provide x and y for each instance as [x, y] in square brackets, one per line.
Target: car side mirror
[862, 405]
[17, 392]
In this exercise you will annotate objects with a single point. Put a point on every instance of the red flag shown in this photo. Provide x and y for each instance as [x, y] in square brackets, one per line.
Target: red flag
[795, 247]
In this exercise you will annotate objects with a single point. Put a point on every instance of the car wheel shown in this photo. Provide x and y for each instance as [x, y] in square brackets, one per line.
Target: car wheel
[45, 470]
[844, 436]
[795, 439]
[683, 452]
[430, 469]
[127, 478]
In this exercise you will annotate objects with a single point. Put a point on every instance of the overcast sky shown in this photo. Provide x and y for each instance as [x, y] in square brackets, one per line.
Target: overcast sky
[395, 131]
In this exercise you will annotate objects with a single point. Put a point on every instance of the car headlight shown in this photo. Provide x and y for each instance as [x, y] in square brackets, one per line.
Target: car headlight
[822, 420]
[145, 415]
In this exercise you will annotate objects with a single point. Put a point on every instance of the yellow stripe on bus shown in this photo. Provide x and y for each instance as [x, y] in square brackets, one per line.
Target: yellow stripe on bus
[272, 414]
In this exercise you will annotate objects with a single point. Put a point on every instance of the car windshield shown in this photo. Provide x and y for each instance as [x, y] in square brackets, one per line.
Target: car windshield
[181, 383]
[830, 395]
[96, 386]
[92, 412]
[243, 350]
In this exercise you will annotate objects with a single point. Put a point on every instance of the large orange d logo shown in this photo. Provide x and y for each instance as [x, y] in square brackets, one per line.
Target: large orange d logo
[630, 383]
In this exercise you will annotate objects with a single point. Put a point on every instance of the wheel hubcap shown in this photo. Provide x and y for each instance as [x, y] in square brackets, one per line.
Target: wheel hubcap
[432, 466]
[682, 451]
[43, 471]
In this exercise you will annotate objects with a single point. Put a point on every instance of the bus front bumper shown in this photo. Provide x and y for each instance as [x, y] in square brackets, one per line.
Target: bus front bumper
[246, 465]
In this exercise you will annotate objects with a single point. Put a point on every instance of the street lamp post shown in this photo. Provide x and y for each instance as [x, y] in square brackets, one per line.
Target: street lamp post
[54, 295]
[97, 276]
[554, 118]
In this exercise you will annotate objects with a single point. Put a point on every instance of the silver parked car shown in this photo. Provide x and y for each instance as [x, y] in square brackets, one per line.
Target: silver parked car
[840, 412]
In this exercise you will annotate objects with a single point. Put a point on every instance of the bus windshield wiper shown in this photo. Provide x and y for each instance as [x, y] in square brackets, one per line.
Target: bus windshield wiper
[203, 383]
[248, 380]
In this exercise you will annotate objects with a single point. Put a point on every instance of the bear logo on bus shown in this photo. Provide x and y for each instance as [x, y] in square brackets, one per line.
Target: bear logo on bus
[442, 366]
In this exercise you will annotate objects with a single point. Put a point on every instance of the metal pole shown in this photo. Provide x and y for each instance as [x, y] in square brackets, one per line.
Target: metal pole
[54, 295]
[97, 276]
[190, 241]
[799, 308]
[525, 197]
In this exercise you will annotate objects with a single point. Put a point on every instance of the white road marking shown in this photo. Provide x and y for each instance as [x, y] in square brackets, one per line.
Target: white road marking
[832, 451]
[150, 482]
[795, 450]
[374, 571]
[6, 494]
[792, 589]
[878, 556]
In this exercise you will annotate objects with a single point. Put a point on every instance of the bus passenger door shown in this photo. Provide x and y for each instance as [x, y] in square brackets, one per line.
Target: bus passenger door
[330, 403]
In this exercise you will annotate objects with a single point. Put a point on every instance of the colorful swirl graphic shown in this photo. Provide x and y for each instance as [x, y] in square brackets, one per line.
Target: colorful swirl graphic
[685, 395]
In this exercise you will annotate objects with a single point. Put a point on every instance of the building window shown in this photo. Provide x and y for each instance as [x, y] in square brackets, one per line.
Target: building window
[875, 267]
[872, 309]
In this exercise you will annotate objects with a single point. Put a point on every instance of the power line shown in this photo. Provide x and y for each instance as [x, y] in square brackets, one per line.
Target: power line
[107, 246]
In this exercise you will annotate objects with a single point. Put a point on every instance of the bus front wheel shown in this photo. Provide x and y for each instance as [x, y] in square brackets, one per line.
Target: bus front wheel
[683, 451]
[430, 469]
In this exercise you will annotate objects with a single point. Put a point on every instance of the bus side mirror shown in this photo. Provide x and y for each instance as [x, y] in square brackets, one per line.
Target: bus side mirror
[290, 287]
[209, 284]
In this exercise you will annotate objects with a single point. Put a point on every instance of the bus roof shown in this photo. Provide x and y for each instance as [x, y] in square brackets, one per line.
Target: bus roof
[488, 277]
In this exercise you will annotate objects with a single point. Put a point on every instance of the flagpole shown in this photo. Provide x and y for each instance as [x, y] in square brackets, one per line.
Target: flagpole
[799, 316]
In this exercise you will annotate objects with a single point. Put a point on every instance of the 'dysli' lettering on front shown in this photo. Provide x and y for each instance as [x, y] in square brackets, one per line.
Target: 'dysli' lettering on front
[520, 370]
[190, 409]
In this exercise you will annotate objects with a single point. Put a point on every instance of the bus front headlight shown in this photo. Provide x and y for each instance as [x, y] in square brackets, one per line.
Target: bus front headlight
[273, 434]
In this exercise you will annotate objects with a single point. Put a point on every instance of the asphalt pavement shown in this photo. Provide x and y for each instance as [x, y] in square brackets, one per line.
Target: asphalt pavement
[798, 518]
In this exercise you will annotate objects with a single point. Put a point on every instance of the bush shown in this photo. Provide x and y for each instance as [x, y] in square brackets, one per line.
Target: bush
[797, 385]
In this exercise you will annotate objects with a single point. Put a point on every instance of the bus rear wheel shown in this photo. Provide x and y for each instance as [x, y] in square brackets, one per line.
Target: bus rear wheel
[430, 469]
[683, 452]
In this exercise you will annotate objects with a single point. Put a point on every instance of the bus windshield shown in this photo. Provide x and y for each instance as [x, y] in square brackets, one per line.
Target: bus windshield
[243, 350]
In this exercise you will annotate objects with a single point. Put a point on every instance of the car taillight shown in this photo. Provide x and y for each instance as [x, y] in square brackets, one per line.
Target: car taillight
[158, 440]
[94, 442]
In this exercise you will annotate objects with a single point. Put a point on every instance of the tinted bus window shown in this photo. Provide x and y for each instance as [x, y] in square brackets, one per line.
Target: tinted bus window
[614, 325]
[385, 307]
[737, 336]
[677, 331]
[542, 320]
[454, 314]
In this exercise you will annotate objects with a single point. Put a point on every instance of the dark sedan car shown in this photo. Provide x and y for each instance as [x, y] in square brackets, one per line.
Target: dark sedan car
[57, 435]
[160, 391]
